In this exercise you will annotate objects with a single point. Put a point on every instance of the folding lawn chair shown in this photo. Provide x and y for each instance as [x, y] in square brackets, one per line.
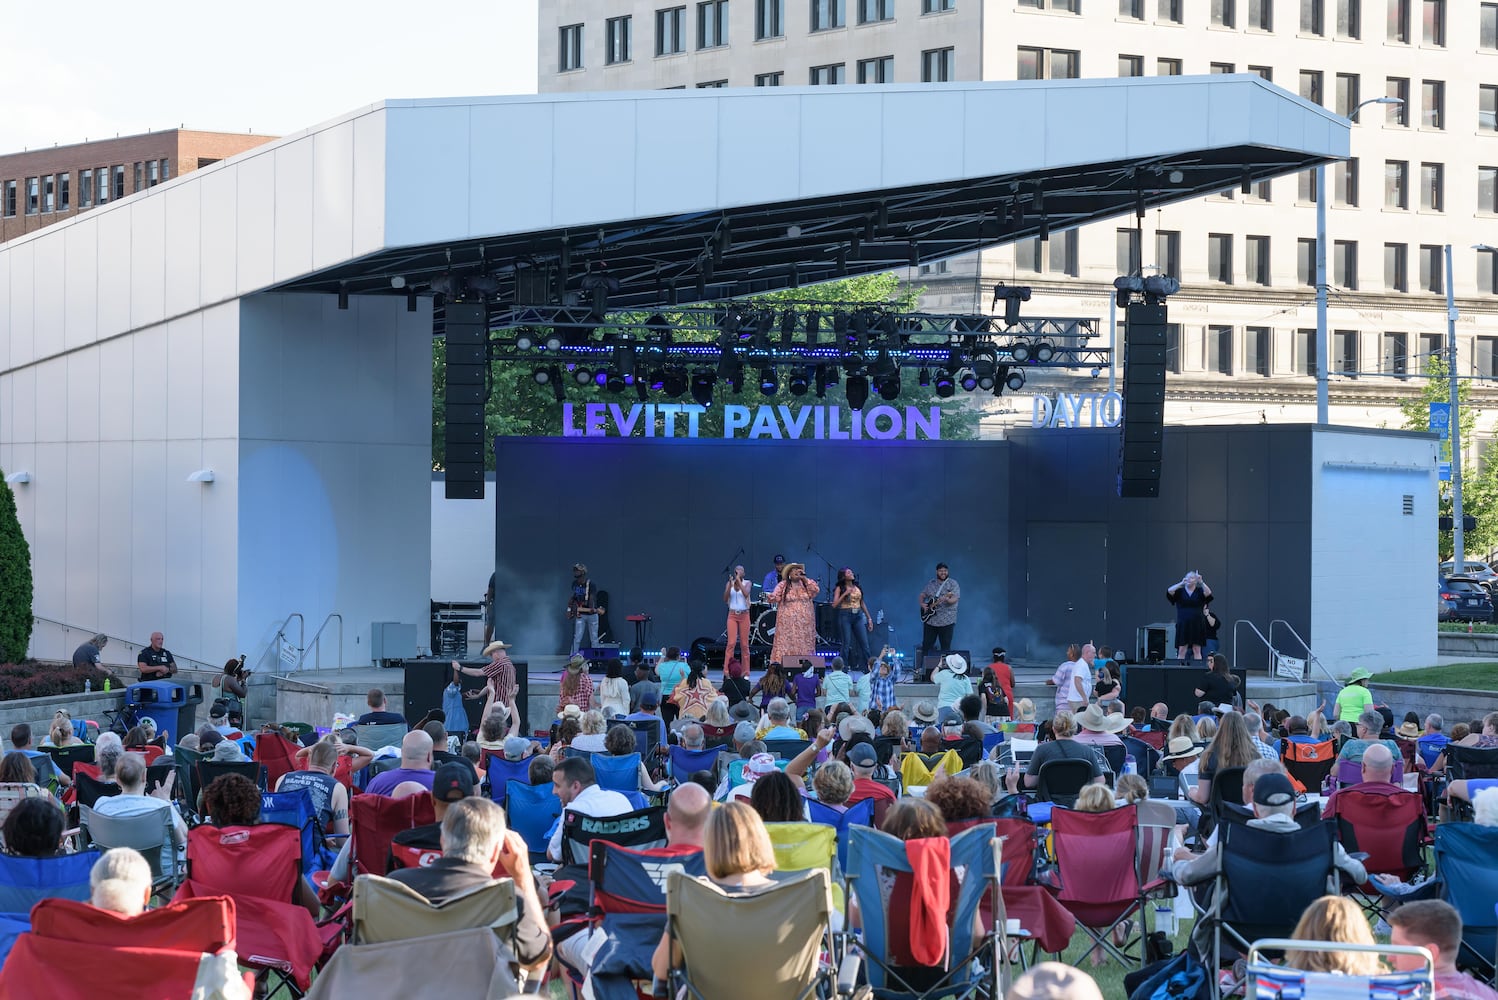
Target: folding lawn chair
[1390, 829]
[1061, 781]
[861, 814]
[919, 769]
[187, 787]
[684, 762]
[374, 820]
[63, 758]
[1146, 757]
[1464, 854]
[1267, 979]
[24, 881]
[1308, 764]
[294, 809]
[149, 833]
[210, 770]
[801, 847]
[501, 772]
[12, 792]
[1429, 747]
[532, 810]
[277, 755]
[619, 774]
[641, 829]
[91, 790]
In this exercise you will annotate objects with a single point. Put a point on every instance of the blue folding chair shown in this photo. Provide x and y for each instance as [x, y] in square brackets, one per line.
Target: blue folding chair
[12, 926]
[974, 851]
[629, 894]
[532, 810]
[861, 814]
[501, 772]
[619, 774]
[294, 808]
[991, 740]
[1464, 854]
[786, 749]
[684, 762]
[23, 881]
[1430, 745]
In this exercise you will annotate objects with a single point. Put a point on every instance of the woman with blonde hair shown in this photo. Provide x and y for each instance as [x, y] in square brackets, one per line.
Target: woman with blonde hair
[1335, 918]
[1316, 724]
[1230, 747]
[1095, 799]
[1183, 725]
[1206, 730]
[592, 729]
[61, 733]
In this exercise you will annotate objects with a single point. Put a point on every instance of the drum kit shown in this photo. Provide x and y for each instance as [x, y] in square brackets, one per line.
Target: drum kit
[762, 624]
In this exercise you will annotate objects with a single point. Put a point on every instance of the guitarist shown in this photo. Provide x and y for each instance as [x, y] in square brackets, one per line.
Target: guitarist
[583, 608]
[938, 611]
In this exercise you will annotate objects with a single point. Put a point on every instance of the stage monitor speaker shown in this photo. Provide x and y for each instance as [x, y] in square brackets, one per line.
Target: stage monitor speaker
[931, 661]
[465, 382]
[426, 679]
[1142, 432]
[1155, 643]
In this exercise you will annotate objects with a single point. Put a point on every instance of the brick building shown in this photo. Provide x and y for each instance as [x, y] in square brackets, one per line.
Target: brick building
[43, 186]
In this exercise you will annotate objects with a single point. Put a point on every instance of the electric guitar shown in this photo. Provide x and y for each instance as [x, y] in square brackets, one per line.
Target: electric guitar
[580, 606]
[932, 604]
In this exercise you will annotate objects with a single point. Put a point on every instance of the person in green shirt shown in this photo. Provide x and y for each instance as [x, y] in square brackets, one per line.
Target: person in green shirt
[1354, 699]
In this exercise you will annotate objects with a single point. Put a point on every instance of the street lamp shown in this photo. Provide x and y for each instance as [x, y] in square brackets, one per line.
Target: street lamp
[1323, 348]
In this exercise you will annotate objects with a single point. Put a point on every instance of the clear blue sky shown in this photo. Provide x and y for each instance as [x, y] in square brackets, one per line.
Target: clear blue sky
[91, 70]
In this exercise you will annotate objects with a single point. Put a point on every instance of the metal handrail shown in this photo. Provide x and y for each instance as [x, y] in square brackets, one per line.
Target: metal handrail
[280, 637]
[134, 647]
[317, 642]
[1310, 656]
[1267, 644]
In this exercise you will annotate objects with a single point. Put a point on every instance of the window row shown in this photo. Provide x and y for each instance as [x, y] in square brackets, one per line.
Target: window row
[1340, 18]
[49, 193]
[1265, 351]
[937, 66]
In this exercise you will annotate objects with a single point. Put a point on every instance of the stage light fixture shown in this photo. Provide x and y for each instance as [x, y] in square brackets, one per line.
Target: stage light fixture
[544, 376]
[787, 327]
[553, 341]
[702, 387]
[616, 382]
[674, 383]
[968, 380]
[601, 378]
[946, 385]
[640, 392]
[624, 359]
[769, 380]
[1019, 351]
[884, 365]
[582, 374]
[923, 377]
[856, 387]
[799, 382]
[888, 386]
[524, 338]
[1043, 351]
[826, 379]
[985, 360]
[1015, 381]
[985, 382]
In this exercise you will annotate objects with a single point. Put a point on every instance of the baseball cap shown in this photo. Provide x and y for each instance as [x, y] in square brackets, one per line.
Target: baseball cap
[863, 755]
[760, 764]
[650, 698]
[515, 747]
[1273, 790]
[779, 559]
[449, 778]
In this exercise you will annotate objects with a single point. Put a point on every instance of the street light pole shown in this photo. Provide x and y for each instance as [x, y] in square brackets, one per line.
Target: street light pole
[1323, 347]
[1455, 430]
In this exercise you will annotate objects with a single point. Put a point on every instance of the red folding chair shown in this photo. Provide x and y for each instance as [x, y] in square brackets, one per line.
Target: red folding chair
[278, 754]
[1097, 877]
[70, 952]
[1390, 828]
[374, 820]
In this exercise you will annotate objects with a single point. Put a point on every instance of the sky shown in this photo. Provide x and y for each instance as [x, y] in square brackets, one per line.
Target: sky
[272, 67]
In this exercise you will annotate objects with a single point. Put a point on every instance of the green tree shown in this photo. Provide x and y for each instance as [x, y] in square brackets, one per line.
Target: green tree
[1479, 485]
[15, 581]
[518, 406]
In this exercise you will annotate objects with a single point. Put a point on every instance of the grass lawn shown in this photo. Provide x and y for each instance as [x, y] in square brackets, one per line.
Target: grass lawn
[1471, 676]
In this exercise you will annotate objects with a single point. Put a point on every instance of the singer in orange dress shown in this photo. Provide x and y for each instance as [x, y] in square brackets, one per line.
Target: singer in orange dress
[796, 617]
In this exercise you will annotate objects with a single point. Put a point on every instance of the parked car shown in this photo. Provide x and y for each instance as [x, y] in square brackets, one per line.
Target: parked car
[1463, 599]
[1476, 570]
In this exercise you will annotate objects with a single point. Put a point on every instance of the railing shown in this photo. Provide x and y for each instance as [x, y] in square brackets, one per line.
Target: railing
[1311, 657]
[280, 641]
[316, 643]
[73, 636]
[1267, 644]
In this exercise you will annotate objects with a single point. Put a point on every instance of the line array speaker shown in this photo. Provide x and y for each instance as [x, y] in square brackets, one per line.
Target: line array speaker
[467, 367]
[1143, 427]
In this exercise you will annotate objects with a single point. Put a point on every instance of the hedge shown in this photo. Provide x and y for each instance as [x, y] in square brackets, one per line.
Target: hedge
[30, 679]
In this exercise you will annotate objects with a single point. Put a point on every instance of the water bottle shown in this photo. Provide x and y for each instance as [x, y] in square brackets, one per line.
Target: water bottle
[106, 683]
[1130, 765]
[88, 685]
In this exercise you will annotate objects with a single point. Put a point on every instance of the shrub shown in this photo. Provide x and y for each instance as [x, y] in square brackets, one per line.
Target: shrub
[15, 581]
[30, 679]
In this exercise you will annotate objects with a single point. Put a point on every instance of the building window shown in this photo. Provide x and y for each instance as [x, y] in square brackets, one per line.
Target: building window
[1487, 108]
[1310, 85]
[1168, 253]
[1487, 190]
[1061, 253]
[1305, 262]
[166, 173]
[569, 57]
[1485, 357]
[1487, 272]
[940, 267]
[1398, 27]
[1167, 67]
[1260, 15]
[1173, 350]
[1345, 350]
[1069, 6]
[670, 31]
[1396, 184]
[85, 188]
[1256, 259]
[828, 14]
[769, 79]
[63, 194]
[1345, 264]
[1487, 25]
[1132, 9]
[937, 6]
[1225, 13]
[1218, 349]
[1131, 65]
[49, 194]
[1305, 187]
[1433, 104]
[1221, 69]
[1433, 187]
[1395, 357]
[153, 173]
[1432, 271]
[1433, 22]
[1345, 183]
[1128, 260]
[712, 24]
[1305, 351]
[1349, 18]
[769, 19]
[119, 181]
[871, 11]
[1397, 87]
[830, 74]
[1396, 267]
[1263, 72]
[1347, 94]
[1220, 257]
[712, 84]
[938, 65]
[877, 70]
[1432, 346]
[10, 199]
[1170, 11]
[618, 34]
[1312, 17]
[1048, 64]
[1256, 340]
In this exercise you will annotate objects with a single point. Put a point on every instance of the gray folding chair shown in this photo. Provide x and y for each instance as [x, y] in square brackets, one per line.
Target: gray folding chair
[149, 833]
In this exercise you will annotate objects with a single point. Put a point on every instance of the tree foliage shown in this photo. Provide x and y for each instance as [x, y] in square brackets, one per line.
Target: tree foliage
[1479, 485]
[520, 407]
[15, 581]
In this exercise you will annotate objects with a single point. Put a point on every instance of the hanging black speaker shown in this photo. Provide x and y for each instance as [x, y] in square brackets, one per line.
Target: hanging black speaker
[1142, 433]
[464, 380]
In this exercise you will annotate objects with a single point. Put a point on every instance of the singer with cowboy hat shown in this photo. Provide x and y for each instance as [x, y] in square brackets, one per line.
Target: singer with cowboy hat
[796, 620]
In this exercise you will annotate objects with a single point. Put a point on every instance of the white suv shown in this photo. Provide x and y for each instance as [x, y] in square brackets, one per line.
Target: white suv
[1479, 571]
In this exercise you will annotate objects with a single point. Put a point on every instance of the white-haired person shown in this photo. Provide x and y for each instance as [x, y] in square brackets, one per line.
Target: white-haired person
[120, 882]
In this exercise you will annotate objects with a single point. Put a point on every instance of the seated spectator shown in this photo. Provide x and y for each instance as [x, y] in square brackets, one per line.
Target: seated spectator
[647, 696]
[1436, 926]
[1254, 722]
[959, 798]
[107, 753]
[738, 856]
[61, 733]
[814, 721]
[776, 798]
[1098, 729]
[540, 771]
[1206, 730]
[1230, 748]
[1483, 737]
[1054, 981]
[1317, 726]
[33, 829]
[563, 733]
[416, 765]
[133, 799]
[218, 718]
[1130, 789]
[833, 783]
[474, 757]
[1063, 747]
[120, 882]
[620, 741]
[1378, 769]
[1183, 725]
[931, 740]
[497, 724]
[593, 737]
[475, 842]
[1095, 799]
[777, 725]
[864, 762]
[1297, 730]
[20, 739]
[228, 752]
[329, 797]
[1335, 918]
[577, 788]
[379, 713]
[451, 782]
[16, 769]
[717, 724]
[1370, 725]
[693, 736]
[234, 800]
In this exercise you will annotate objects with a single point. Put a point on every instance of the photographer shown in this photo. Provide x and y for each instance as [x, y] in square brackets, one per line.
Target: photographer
[234, 682]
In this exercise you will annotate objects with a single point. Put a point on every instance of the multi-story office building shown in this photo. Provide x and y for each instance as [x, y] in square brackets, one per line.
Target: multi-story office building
[1423, 173]
[43, 186]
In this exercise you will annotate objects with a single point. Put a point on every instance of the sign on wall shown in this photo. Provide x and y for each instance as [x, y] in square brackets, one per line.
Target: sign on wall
[817, 423]
[1077, 409]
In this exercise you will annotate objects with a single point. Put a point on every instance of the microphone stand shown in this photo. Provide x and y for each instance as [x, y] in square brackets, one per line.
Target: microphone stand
[728, 569]
[827, 573]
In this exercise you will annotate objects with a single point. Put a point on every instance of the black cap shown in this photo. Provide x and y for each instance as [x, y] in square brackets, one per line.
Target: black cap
[1274, 789]
[452, 781]
[779, 559]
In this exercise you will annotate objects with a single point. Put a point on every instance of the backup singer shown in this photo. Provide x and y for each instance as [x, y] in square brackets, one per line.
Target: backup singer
[583, 608]
[853, 622]
[939, 610]
[736, 596]
[796, 621]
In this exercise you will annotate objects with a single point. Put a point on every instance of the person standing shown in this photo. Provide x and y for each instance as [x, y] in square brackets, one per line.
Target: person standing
[156, 663]
[736, 596]
[499, 671]
[1190, 597]
[1071, 680]
[87, 655]
[583, 608]
[795, 621]
[772, 578]
[997, 686]
[488, 605]
[853, 621]
[938, 602]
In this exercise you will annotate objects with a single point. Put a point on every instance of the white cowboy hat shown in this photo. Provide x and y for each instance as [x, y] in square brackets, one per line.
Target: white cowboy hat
[955, 663]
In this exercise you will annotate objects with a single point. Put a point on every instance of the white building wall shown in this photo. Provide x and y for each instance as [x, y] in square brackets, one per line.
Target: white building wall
[462, 543]
[1372, 558]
